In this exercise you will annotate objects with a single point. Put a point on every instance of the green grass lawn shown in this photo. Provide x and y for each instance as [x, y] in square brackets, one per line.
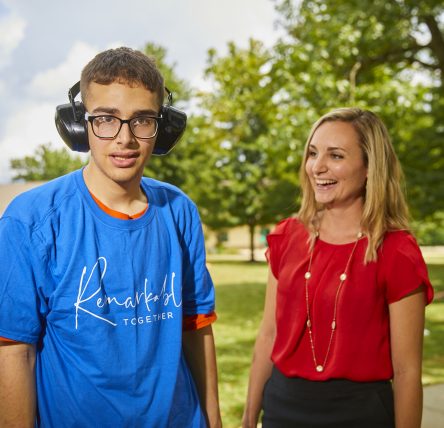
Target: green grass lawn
[240, 290]
[433, 367]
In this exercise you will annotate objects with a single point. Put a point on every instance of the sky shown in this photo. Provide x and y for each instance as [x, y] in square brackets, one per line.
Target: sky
[44, 45]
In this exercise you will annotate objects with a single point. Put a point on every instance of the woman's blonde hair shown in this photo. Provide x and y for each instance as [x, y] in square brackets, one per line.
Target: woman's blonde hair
[385, 207]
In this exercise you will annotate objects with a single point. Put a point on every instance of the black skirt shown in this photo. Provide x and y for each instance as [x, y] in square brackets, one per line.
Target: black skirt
[337, 403]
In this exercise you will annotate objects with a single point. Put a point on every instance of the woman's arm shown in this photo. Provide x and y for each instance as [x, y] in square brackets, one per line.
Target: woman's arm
[262, 364]
[17, 385]
[406, 332]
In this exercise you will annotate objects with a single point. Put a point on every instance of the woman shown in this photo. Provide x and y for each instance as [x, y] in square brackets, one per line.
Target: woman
[344, 310]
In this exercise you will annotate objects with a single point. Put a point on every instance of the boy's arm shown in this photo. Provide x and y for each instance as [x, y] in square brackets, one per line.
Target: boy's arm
[200, 353]
[17, 385]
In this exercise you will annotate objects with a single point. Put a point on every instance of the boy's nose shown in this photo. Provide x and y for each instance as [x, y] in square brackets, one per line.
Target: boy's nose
[125, 135]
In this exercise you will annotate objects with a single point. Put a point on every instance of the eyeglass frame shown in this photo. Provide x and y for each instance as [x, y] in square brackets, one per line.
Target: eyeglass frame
[89, 118]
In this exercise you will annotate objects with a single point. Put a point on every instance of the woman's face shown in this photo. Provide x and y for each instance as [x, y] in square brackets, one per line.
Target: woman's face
[335, 165]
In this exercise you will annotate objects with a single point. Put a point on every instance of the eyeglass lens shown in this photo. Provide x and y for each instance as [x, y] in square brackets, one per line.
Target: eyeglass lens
[109, 126]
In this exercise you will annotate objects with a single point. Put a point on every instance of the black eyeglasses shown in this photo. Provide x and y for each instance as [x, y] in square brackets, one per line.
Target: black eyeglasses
[108, 127]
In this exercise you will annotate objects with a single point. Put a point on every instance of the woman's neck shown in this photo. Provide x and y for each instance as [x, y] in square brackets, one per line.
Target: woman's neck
[339, 226]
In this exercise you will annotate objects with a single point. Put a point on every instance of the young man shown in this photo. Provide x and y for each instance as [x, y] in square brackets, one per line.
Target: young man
[106, 304]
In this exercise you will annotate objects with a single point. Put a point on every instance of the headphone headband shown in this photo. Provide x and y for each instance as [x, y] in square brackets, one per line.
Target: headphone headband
[72, 93]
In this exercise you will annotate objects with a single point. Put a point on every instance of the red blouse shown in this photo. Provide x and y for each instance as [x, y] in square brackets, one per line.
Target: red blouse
[360, 349]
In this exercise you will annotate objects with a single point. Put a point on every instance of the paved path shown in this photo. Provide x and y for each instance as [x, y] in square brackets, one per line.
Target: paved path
[433, 416]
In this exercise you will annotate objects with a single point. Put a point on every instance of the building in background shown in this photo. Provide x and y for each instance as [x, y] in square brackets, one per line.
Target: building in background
[11, 190]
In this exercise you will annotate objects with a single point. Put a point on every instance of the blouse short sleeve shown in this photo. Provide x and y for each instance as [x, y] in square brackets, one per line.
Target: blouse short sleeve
[404, 268]
[274, 240]
[279, 239]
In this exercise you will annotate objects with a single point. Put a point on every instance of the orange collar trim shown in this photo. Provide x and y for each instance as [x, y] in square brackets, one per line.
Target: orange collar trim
[118, 214]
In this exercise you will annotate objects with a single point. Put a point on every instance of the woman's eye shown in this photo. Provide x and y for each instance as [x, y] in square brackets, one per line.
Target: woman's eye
[337, 156]
[311, 154]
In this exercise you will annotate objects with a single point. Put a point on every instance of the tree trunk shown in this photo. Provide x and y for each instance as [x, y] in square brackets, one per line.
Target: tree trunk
[252, 227]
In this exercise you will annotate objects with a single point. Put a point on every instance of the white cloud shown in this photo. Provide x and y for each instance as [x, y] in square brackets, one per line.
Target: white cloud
[25, 131]
[12, 30]
[52, 83]
[49, 84]
[31, 123]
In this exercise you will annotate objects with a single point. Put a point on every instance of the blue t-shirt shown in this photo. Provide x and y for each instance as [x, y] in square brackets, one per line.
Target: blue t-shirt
[103, 300]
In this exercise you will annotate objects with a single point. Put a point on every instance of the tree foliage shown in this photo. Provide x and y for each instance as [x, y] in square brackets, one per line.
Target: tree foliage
[45, 164]
[246, 175]
[240, 155]
[174, 167]
[226, 160]
[385, 56]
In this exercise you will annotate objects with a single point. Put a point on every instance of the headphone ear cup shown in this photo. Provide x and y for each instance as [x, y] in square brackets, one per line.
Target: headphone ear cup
[171, 128]
[74, 132]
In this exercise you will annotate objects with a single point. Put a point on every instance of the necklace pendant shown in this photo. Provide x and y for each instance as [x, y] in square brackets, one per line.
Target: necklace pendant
[342, 277]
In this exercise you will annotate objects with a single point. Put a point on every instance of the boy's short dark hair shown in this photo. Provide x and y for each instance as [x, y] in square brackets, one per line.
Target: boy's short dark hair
[123, 65]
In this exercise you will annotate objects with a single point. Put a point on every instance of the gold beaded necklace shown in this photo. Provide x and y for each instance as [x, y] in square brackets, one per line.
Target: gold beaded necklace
[320, 367]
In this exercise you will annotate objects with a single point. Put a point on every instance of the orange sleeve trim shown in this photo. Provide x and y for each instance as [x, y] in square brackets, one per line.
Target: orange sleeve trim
[198, 321]
[117, 214]
[4, 339]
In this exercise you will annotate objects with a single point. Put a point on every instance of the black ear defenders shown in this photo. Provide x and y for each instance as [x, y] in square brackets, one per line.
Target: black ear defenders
[73, 128]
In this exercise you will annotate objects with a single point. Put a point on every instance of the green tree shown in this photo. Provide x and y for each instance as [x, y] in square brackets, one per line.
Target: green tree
[226, 161]
[385, 56]
[174, 167]
[45, 164]
[189, 165]
[366, 33]
[247, 182]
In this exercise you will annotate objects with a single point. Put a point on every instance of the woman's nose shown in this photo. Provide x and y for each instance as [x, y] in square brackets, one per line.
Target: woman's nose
[319, 165]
